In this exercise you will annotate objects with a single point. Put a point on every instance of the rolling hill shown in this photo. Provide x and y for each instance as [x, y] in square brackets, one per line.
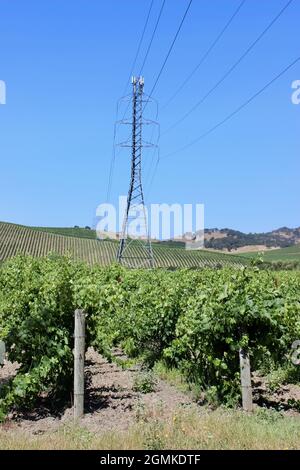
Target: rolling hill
[235, 241]
[226, 240]
[291, 253]
[78, 232]
[19, 239]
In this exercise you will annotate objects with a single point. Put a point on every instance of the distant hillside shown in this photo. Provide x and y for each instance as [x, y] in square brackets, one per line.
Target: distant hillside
[18, 239]
[78, 232]
[292, 253]
[230, 240]
[81, 232]
[224, 239]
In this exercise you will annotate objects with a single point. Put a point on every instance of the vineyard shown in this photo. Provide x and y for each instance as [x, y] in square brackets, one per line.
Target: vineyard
[193, 321]
[291, 253]
[77, 232]
[17, 239]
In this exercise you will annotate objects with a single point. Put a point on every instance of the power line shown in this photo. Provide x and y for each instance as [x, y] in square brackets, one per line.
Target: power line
[205, 55]
[148, 49]
[170, 50]
[113, 157]
[223, 121]
[162, 68]
[233, 113]
[152, 178]
[252, 45]
[152, 37]
[111, 168]
[139, 46]
[148, 179]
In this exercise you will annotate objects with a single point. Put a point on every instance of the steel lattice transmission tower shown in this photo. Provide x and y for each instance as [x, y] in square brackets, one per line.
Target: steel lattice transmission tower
[136, 251]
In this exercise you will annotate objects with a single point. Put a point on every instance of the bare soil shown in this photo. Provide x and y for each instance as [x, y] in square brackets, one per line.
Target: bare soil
[286, 397]
[245, 249]
[8, 370]
[111, 404]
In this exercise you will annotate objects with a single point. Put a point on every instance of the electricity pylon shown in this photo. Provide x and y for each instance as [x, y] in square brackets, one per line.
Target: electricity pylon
[135, 248]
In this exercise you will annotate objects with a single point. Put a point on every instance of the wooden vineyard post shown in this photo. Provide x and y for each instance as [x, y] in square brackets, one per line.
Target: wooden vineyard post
[246, 380]
[79, 353]
[2, 353]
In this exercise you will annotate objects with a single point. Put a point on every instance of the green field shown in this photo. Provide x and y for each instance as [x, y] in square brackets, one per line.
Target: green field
[292, 253]
[18, 239]
[289, 254]
[77, 232]
[80, 232]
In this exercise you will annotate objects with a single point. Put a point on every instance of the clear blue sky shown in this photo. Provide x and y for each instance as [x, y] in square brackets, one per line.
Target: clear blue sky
[65, 64]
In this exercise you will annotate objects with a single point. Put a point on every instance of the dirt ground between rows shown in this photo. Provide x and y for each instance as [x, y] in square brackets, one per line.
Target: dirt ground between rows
[111, 404]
